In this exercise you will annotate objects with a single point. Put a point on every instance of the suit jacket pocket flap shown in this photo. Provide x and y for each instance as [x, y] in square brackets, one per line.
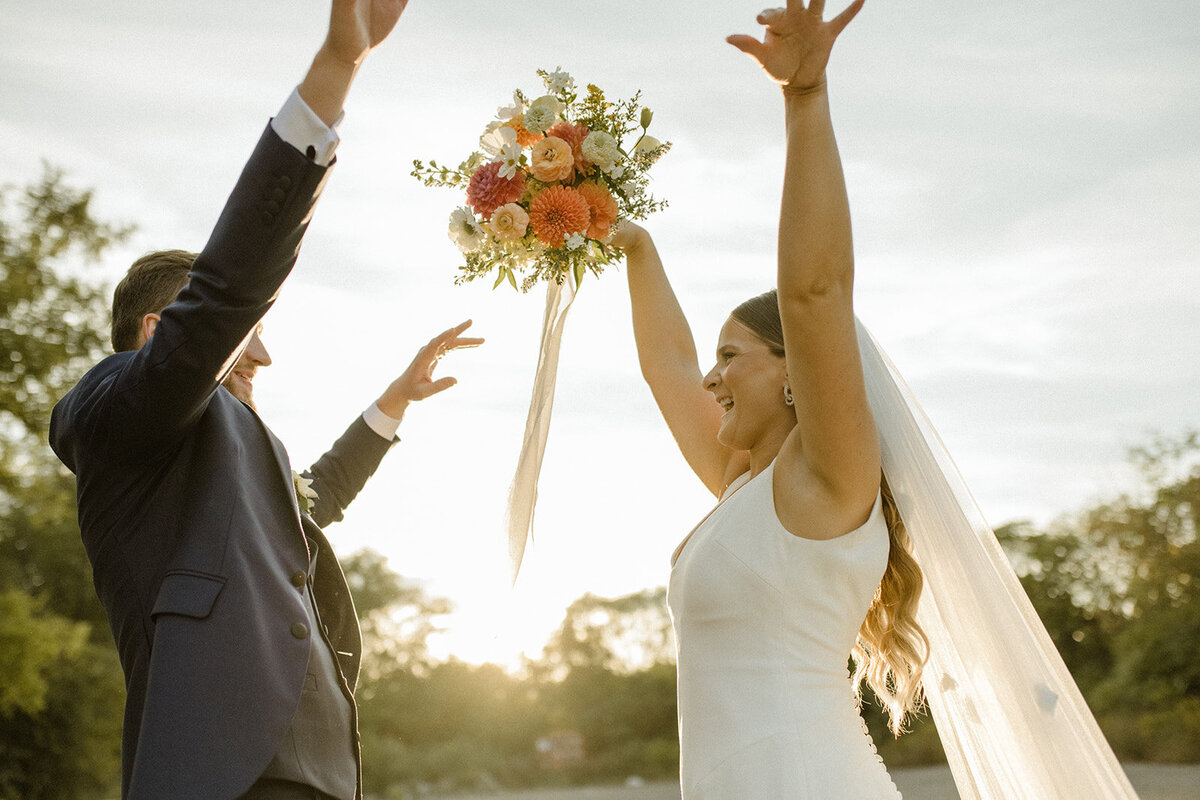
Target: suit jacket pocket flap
[188, 593]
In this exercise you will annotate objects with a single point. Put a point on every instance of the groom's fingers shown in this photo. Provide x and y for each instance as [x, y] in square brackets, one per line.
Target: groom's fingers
[433, 387]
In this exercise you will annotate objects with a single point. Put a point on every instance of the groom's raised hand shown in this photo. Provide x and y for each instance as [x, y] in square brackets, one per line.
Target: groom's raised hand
[358, 26]
[417, 382]
[355, 28]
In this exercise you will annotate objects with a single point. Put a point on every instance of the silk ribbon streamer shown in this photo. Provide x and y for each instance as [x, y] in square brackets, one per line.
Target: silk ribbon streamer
[522, 495]
[1013, 723]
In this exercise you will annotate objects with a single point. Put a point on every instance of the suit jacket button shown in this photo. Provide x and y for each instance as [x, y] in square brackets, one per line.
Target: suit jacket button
[272, 207]
[268, 219]
[299, 579]
[285, 182]
[299, 630]
[278, 195]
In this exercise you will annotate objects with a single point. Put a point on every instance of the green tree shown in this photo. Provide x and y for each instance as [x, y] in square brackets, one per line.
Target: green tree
[397, 616]
[1118, 586]
[60, 716]
[52, 319]
[622, 634]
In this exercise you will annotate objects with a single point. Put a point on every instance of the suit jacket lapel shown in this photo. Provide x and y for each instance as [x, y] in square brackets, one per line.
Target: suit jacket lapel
[284, 464]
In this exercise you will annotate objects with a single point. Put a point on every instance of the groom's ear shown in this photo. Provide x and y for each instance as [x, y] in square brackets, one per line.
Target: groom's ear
[149, 323]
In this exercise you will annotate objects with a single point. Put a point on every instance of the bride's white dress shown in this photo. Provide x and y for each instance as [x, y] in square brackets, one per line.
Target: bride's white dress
[764, 624]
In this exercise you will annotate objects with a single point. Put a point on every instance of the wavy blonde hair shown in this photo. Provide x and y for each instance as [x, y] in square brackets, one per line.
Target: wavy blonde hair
[891, 649]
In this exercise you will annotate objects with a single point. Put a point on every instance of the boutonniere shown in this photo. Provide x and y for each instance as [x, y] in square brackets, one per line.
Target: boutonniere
[306, 496]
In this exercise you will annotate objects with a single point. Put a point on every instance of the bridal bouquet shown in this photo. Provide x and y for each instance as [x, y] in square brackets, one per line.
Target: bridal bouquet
[551, 178]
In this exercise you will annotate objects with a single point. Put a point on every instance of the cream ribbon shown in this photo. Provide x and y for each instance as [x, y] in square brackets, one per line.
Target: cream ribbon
[522, 495]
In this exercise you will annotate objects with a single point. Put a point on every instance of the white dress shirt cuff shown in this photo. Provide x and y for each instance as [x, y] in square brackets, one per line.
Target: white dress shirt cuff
[380, 422]
[300, 127]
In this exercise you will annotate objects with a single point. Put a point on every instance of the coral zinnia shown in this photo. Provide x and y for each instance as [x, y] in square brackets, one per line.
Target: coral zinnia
[550, 160]
[557, 212]
[487, 191]
[574, 136]
[602, 208]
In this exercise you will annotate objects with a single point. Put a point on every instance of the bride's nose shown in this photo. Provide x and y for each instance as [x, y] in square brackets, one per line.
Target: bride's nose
[711, 380]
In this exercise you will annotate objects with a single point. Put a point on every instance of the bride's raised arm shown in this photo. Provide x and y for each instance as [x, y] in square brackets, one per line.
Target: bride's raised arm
[670, 365]
[832, 457]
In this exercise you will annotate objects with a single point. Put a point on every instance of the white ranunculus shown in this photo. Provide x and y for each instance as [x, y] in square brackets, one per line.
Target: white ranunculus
[548, 101]
[465, 230]
[509, 222]
[575, 241]
[601, 149]
[646, 144]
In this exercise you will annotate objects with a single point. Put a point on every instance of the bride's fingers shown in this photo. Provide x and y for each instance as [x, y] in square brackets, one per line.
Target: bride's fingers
[748, 45]
[771, 16]
[816, 8]
[839, 23]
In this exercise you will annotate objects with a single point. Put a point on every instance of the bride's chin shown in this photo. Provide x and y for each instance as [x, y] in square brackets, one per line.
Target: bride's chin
[728, 438]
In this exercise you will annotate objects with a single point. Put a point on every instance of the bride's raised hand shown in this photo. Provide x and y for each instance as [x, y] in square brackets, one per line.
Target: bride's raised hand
[797, 43]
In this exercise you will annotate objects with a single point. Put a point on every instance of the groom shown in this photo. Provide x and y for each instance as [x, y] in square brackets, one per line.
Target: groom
[233, 621]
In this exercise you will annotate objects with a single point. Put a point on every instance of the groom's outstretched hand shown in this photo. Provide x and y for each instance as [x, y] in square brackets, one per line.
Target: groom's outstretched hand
[416, 382]
[355, 28]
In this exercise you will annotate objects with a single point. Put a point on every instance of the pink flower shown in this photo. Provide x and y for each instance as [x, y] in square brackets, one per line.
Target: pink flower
[557, 212]
[487, 191]
[574, 136]
[551, 160]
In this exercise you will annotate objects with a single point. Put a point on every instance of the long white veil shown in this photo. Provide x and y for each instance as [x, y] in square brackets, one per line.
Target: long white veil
[1012, 721]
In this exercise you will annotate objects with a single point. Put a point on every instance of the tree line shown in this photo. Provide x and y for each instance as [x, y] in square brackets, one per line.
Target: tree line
[1116, 586]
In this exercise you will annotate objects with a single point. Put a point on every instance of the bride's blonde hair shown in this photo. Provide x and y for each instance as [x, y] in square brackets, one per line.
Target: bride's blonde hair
[891, 649]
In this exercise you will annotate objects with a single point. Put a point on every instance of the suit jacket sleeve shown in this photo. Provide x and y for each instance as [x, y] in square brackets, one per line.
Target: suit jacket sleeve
[340, 474]
[139, 405]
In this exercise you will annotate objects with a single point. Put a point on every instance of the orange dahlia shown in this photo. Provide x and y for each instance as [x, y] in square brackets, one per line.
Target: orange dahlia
[574, 136]
[557, 212]
[602, 208]
[487, 191]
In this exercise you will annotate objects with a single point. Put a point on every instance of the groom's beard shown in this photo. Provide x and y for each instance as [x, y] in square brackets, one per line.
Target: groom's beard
[241, 388]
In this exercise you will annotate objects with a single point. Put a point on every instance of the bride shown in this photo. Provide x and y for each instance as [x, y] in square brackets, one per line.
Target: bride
[805, 557]
[799, 428]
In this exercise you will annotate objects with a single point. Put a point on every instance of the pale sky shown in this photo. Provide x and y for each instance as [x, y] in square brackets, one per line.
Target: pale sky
[1022, 177]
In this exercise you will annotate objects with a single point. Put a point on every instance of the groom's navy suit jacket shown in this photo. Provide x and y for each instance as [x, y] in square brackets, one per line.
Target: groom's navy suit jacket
[189, 514]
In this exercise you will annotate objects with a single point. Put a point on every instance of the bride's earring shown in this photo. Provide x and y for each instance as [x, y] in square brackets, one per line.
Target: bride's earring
[787, 395]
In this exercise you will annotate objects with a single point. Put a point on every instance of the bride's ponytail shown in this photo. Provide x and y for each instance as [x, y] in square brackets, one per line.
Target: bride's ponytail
[891, 649]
